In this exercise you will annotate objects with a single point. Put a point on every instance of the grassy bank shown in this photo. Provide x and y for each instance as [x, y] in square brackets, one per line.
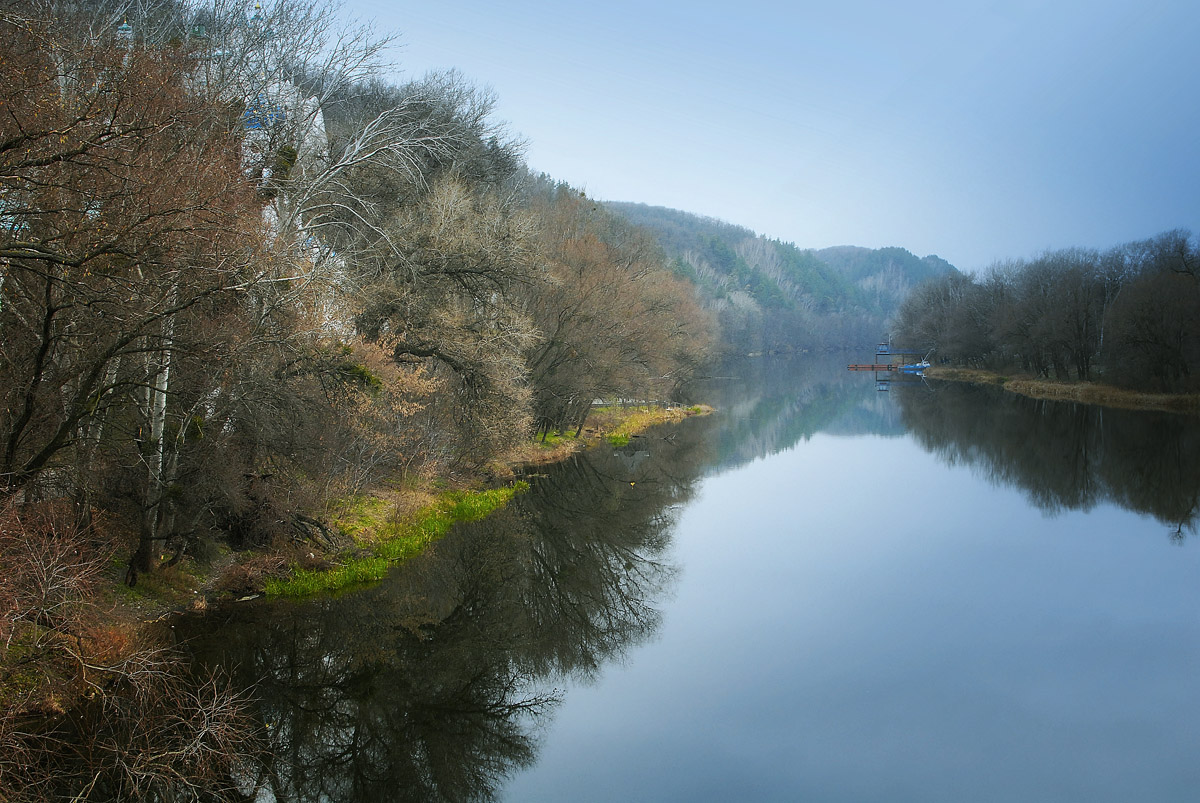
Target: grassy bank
[47, 671]
[1081, 392]
[378, 529]
[388, 530]
[614, 424]
[383, 534]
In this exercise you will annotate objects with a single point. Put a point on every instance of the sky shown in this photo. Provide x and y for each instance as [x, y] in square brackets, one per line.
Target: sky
[977, 131]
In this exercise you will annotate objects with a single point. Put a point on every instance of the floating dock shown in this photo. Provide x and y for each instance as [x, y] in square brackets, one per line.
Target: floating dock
[895, 366]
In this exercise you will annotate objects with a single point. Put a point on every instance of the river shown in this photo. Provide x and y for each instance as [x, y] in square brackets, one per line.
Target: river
[824, 592]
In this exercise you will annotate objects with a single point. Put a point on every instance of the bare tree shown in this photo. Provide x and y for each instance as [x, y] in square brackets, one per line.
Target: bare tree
[91, 712]
[613, 321]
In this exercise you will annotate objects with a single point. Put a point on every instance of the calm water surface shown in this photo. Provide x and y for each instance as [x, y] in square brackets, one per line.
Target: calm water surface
[823, 593]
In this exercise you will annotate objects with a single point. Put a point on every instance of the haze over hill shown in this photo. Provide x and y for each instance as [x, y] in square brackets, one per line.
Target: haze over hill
[775, 296]
[919, 124]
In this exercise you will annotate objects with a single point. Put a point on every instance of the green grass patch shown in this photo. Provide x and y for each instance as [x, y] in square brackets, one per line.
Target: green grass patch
[306, 582]
[358, 515]
[551, 440]
[393, 541]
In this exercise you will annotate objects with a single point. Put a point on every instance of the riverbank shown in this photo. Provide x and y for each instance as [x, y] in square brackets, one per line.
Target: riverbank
[613, 424]
[377, 528]
[111, 626]
[1080, 392]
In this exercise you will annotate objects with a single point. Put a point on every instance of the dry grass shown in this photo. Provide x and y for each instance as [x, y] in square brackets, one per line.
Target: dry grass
[614, 424]
[1081, 392]
[538, 453]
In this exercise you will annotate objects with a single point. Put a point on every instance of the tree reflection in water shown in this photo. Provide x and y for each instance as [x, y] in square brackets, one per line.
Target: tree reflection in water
[430, 685]
[1065, 456]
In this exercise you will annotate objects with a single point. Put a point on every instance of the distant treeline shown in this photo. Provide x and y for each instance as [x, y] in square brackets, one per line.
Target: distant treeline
[774, 296]
[1129, 315]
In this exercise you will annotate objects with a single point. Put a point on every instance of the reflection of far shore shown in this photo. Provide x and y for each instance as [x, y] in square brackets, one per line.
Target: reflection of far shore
[1072, 391]
[1065, 456]
[770, 404]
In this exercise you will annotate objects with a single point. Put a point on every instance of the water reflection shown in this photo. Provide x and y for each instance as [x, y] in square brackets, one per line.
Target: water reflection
[1064, 456]
[435, 684]
[430, 685]
[770, 405]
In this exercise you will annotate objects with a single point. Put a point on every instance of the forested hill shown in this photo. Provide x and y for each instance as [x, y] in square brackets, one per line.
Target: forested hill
[772, 295]
[885, 272]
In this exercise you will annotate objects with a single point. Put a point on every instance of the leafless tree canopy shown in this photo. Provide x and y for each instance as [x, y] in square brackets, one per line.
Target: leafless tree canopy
[244, 274]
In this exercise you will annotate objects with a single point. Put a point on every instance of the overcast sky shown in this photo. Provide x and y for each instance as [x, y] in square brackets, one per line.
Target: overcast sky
[977, 131]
